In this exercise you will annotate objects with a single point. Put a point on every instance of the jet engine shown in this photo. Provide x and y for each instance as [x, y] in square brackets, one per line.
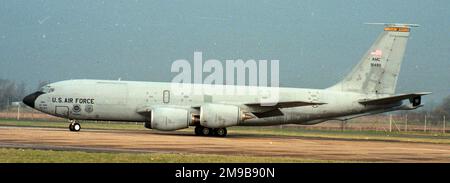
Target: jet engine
[416, 101]
[219, 115]
[168, 119]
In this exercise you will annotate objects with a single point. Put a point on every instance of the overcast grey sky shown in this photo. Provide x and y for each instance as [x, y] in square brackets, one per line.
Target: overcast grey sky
[316, 41]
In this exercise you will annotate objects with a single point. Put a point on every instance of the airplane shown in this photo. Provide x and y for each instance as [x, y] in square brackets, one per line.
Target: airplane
[368, 89]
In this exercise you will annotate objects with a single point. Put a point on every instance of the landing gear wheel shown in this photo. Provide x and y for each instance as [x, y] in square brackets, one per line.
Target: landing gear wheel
[71, 127]
[198, 130]
[75, 127]
[206, 131]
[221, 132]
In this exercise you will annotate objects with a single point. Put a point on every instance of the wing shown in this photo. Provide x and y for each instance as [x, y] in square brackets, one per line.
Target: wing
[392, 99]
[265, 110]
[260, 110]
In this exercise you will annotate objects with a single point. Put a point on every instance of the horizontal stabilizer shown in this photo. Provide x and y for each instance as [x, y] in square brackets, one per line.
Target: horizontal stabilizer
[394, 24]
[392, 99]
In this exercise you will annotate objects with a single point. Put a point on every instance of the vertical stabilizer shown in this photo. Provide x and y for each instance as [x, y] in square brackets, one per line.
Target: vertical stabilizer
[378, 70]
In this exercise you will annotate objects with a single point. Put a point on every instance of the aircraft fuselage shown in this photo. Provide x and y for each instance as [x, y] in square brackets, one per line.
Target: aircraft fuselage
[122, 100]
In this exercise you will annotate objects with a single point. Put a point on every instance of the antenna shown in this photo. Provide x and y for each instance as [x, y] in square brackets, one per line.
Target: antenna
[394, 24]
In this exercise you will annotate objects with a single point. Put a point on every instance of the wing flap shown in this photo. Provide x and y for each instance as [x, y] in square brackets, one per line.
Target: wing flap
[288, 104]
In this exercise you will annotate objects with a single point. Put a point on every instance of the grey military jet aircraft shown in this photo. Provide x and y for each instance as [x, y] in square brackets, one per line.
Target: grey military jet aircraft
[368, 89]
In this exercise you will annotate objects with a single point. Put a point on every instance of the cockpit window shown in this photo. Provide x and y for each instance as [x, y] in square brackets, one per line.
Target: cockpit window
[47, 89]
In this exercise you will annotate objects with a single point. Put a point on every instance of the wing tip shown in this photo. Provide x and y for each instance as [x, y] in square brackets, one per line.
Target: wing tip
[425, 93]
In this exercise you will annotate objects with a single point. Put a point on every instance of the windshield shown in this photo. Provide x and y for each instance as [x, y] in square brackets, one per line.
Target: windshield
[47, 89]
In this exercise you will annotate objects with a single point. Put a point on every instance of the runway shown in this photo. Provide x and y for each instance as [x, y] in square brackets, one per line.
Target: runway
[234, 144]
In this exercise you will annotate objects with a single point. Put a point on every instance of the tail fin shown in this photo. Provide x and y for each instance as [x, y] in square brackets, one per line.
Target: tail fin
[378, 70]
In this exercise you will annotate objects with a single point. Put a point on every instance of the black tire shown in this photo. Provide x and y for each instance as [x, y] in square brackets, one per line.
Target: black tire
[198, 130]
[221, 132]
[71, 127]
[76, 127]
[206, 131]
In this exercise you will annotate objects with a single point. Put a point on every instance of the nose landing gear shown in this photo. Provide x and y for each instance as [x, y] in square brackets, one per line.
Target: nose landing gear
[74, 126]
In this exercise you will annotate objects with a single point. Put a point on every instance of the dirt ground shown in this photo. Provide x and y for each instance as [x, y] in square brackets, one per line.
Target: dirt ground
[234, 144]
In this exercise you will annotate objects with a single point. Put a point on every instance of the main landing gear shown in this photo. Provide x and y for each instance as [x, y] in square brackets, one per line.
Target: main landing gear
[205, 131]
[74, 126]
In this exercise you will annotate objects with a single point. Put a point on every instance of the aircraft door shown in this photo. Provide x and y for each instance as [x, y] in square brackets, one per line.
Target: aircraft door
[166, 96]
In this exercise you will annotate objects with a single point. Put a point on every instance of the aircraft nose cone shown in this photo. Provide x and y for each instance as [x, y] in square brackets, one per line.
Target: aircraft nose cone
[30, 99]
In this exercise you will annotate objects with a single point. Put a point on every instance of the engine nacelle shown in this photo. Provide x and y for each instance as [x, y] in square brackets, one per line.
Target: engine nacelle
[219, 115]
[168, 119]
[416, 101]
